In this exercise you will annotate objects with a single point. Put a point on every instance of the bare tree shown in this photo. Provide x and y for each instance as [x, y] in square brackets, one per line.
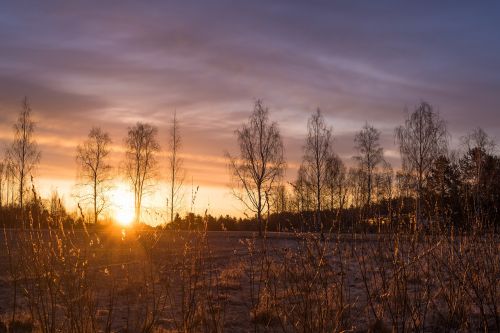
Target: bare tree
[385, 182]
[370, 155]
[141, 149]
[260, 163]
[478, 145]
[6, 181]
[56, 209]
[356, 180]
[3, 178]
[92, 158]
[422, 139]
[279, 199]
[336, 184]
[176, 173]
[10, 181]
[302, 192]
[317, 153]
[24, 152]
[478, 138]
[383, 188]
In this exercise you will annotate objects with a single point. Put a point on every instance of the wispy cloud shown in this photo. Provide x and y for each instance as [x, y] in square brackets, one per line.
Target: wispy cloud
[93, 63]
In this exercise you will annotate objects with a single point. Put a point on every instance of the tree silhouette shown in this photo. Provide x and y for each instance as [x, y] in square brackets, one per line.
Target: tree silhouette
[23, 152]
[317, 154]
[443, 192]
[422, 139]
[142, 146]
[176, 174]
[478, 146]
[92, 157]
[370, 155]
[302, 192]
[3, 172]
[260, 162]
[336, 183]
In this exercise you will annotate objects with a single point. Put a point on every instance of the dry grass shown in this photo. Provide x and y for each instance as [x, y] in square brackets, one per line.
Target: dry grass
[57, 280]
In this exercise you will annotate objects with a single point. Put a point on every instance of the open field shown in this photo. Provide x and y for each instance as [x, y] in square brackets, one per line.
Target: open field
[249, 166]
[154, 281]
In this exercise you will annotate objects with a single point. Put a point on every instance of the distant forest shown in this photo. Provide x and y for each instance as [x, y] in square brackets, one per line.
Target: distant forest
[436, 189]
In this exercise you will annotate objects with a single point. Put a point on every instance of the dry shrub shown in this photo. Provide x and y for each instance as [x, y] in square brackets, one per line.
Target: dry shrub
[195, 295]
[432, 282]
[72, 281]
[66, 288]
[230, 277]
[298, 288]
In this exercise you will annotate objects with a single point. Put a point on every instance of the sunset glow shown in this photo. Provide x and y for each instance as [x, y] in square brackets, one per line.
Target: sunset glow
[122, 202]
[249, 166]
[112, 68]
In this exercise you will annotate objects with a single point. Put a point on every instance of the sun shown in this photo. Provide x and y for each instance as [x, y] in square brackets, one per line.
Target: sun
[122, 200]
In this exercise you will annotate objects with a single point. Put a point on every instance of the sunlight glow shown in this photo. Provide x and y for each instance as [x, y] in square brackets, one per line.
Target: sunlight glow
[122, 200]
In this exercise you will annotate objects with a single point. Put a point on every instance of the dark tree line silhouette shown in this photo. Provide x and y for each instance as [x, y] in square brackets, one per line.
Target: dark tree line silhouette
[436, 189]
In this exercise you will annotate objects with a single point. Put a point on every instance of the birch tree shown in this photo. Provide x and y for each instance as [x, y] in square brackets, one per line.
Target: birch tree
[92, 157]
[422, 139]
[318, 151]
[3, 169]
[370, 155]
[260, 162]
[141, 149]
[176, 173]
[23, 153]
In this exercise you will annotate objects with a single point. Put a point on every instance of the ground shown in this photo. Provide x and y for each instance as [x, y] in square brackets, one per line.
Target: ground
[114, 280]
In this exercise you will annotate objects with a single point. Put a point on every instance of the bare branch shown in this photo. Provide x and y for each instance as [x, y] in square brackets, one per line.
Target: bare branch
[260, 163]
[142, 147]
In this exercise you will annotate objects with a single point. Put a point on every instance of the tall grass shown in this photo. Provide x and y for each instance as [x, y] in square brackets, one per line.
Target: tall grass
[66, 280]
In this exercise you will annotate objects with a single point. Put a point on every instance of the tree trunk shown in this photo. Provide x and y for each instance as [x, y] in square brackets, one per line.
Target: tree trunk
[95, 202]
[21, 190]
[259, 212]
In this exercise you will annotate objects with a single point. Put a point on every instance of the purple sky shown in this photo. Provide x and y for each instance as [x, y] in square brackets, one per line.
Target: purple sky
[112, 63]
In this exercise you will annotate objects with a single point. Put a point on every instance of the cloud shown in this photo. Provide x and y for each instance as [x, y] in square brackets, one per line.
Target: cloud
[92, 63]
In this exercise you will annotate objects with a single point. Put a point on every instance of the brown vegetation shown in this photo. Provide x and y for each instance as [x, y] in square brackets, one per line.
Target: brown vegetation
[154, 280]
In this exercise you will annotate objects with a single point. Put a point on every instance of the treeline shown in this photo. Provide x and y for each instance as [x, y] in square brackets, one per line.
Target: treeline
[437, 188]
[20, 205]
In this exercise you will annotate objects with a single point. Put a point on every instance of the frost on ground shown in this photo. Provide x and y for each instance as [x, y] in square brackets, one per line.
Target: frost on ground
[159, 281]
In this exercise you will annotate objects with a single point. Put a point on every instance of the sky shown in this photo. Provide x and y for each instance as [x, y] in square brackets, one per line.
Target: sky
[113, 63]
